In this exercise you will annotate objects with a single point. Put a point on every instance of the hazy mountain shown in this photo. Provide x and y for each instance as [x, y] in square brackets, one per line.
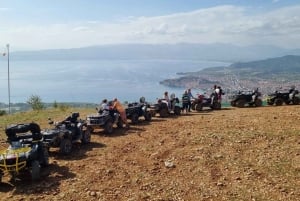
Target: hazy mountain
[215, 52]
[285, 64]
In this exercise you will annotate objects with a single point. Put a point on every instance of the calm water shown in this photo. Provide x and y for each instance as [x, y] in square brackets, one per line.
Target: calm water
[92, 80]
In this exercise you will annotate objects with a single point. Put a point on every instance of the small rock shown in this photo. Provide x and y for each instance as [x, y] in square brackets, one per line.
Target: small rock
[169, 164]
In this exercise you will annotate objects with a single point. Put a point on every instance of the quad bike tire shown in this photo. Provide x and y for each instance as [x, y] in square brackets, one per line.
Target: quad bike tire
[148, 116]
[164, 112]
[216, 106]
[44, 161]
[177, 110]
[233, 103]
[278, 101]
[269, 102]
[35, 170]
[120, 123]
[134, 118]
[108, 127]
[65, 146]
[296, 100]
[198, 107]
[86, 135]
[193, 106]
[240, 103]
[258, 102]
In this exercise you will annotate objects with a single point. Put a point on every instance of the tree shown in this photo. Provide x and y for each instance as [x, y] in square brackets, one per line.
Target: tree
[35, 102]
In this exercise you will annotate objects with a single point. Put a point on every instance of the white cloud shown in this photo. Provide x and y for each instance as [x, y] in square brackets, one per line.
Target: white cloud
[222, 24]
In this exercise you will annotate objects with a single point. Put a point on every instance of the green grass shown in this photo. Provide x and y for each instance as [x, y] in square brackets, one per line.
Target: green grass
[39, 117]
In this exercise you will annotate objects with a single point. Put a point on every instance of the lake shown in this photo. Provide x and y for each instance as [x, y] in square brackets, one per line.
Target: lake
[93, 80]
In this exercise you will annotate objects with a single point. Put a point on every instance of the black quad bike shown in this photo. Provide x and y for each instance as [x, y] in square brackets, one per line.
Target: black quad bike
[26, 152]
[66, 133]
[104, 119]
[243, 98]
[163, 108]
[201, 101]
[280, 97]
[136, 110]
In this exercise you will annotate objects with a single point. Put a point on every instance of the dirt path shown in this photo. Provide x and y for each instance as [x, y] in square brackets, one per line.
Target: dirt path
[231, 154]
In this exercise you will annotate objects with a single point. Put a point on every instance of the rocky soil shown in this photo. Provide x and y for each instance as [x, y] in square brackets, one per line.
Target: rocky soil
[230, 154]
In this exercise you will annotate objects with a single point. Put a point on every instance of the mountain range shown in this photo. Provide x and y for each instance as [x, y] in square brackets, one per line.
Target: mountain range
[183, 51]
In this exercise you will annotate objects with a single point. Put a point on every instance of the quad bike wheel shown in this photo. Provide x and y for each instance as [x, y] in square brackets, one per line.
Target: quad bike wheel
[164, 112]
[258, 103]
[86, 136]
[177, 110]
[198, 107]
[120, 123]
[270, 102]
[216, 106]
[108, 127]
[148, 116]
[233, 103]
[134, 118]
[65, 146]
[45, 157]
[35, 170]
[296, 100]
[240, 103]
[193, 106]
[278, 102]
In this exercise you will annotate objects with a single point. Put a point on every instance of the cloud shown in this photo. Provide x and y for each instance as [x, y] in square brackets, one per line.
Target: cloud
[222, 24]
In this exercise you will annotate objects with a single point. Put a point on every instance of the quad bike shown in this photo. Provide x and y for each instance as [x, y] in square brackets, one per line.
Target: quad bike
[66, 133]
[201, 101]
[163, 108]
[250, 98]
[26, 151]
[136, 110]
[280, 97]
[104, 119]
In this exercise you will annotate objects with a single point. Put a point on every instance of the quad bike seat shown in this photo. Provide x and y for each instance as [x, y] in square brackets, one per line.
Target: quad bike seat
[29, 131]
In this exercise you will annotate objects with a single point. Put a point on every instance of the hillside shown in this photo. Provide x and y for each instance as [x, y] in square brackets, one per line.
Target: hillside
[230, 154]
[268, 75]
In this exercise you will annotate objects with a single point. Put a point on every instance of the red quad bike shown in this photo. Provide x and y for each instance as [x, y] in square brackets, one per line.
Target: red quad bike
[201, 101]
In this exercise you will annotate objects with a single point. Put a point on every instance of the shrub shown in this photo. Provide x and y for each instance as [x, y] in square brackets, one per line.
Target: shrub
[35, 102]
[2, 112]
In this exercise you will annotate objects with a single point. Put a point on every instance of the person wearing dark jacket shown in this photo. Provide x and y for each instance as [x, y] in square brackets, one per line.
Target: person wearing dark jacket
[185, 102]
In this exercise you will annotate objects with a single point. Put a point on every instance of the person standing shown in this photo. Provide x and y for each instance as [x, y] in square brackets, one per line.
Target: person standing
[167, 99]
[189, 92]
[185, 102]
[119, 107]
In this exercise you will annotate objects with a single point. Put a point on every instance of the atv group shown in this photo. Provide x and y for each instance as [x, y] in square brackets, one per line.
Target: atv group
[253, 98]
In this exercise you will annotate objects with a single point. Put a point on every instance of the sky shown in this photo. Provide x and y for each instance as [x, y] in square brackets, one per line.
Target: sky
[63, 24]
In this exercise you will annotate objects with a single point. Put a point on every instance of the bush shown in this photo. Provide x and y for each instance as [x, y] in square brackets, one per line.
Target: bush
[35, 102]
[63, 107]
[2, 112]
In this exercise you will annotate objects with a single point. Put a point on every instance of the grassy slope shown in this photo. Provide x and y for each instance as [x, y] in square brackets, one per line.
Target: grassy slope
[40, 117]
